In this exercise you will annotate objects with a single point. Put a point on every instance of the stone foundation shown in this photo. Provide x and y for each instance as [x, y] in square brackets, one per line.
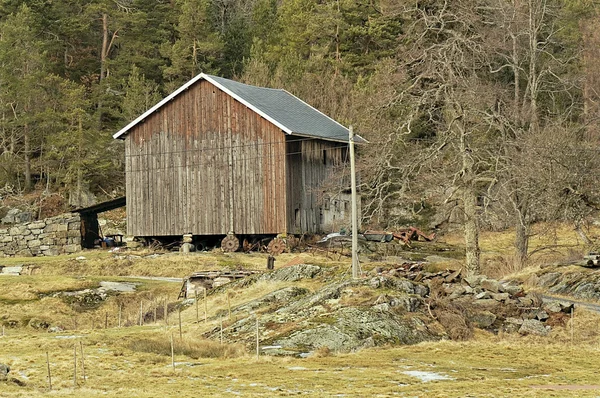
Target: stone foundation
[49, 237]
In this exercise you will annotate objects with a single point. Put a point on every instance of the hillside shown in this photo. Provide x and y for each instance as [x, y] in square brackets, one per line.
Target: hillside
[407, 327]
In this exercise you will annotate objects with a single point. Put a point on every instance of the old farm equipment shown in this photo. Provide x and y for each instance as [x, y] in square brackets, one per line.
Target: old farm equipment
[206, 280]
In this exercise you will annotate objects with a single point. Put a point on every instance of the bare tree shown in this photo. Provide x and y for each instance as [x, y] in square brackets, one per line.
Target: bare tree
[444, 97]
[544, 96]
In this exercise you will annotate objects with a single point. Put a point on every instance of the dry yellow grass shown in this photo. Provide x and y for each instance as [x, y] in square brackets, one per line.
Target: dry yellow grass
[489, 366]
[134, 361]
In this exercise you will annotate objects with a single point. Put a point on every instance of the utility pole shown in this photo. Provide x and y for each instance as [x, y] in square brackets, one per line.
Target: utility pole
[355, 266]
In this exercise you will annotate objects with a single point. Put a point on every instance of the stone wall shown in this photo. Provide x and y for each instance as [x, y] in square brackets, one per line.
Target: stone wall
[49, 237]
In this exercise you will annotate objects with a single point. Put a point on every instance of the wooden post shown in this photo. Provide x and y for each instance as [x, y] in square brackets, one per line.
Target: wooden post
[120, 313]
[75, 366]
[221, 333]
[154, 311]
[166, 312]
[257, 339]
[106, 320]
[228, 305]
[196, 298]
[141, 313]
[572, 326]
[82, 361]
[48, 367]
[180, 331]
[172, 353]
[205, 307]
[355, 270]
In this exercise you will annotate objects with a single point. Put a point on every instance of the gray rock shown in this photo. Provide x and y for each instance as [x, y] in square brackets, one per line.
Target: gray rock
[37, 225]
[552, 306]
[34, 243]
[474, 280]
[566, 306]
[72, 248]
[382, 307]
[404, 286]
[455, 291]
[352, 327]
[411, 304]
[453, 277]
[51, 252]
[486, 302]
[541, 315]
[4, 370]
[421, 290]
[500, 296]
[515, 321]
[483, 319]
[512, 325]
[399, 284]
[533, 326]
[281, 297]
[293, 273]
[511, 289]
[525, 301]
[483, 295]
[330, 292]
[491, 285]
[549, 279]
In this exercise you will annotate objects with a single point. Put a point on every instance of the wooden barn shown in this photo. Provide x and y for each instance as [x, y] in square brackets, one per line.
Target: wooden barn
[222, 158]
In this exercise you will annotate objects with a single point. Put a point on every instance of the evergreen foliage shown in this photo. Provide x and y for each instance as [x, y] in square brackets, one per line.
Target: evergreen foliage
[438, 87]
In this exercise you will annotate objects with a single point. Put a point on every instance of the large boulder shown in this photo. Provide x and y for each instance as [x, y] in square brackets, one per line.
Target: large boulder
[533, 326]
[350, 329]
[482, 319]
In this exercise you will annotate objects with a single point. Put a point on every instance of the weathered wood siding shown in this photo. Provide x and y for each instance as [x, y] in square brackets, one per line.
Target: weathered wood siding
[205, 164]
[311, 164]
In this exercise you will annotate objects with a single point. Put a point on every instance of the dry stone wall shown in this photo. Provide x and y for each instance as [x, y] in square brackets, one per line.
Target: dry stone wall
[48, 237]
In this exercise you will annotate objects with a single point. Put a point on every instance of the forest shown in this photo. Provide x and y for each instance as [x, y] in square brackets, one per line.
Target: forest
[481, 111]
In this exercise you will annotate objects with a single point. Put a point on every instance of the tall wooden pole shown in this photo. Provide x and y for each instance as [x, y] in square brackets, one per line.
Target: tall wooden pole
[48, 366]
[75, 365]
[355, 271]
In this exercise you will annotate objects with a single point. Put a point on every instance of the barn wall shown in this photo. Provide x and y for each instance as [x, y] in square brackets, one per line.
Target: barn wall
[205, 164]
[315, 175]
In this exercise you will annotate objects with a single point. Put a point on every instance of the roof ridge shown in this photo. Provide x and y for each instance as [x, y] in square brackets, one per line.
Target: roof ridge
[248, 85]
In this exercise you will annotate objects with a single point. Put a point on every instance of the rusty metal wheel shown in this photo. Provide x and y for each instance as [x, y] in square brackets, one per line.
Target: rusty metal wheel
[276, 246]
[230, 243]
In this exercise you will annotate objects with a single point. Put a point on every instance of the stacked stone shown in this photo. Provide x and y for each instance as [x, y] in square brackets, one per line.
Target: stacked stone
[49, 237]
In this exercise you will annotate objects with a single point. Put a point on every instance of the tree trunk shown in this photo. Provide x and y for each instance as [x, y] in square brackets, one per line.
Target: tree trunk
[521, 238]
[104, 52]
[473, 252]
[582, 234]
[27, 158]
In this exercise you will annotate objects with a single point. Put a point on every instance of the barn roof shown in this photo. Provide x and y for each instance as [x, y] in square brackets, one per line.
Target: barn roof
[281, 108]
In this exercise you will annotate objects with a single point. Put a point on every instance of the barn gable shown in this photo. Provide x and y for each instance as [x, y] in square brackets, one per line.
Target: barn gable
[286, 111]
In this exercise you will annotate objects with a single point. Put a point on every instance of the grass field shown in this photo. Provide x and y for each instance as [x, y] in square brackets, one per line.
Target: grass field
[135, 361]
[489, 366]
